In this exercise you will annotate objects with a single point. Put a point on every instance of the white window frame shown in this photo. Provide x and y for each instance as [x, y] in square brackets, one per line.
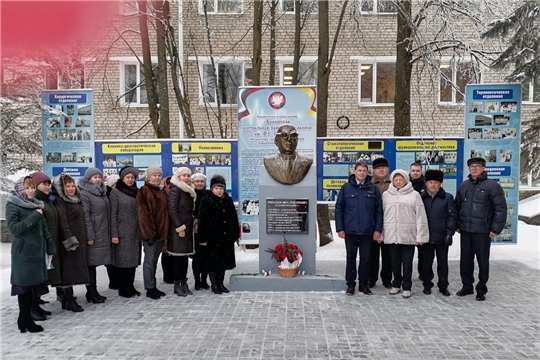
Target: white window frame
[130, 60]
[453, 61]
[216, 8]
[375, 7]
[202, 60]
[292, 12]
[373, 61]
[530, 84]
[289, 60]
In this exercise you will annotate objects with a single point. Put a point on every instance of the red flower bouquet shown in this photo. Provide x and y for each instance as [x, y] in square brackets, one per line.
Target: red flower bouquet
[287, 254]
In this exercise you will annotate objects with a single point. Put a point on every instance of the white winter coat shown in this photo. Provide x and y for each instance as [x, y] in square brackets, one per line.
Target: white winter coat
[405, 220]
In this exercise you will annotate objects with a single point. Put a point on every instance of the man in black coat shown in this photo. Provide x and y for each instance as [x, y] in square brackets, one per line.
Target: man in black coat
[482, 210]
[419, 184]
[442, 219]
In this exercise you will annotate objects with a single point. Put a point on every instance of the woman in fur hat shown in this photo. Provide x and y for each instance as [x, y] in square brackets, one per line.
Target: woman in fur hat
[97, 217]
[72, 253]
[125, 231]
[181, 246]
[218, 229]
[405, 225]
[31, 243]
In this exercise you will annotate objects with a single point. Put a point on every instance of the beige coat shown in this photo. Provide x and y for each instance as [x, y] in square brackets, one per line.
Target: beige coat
[405, 220]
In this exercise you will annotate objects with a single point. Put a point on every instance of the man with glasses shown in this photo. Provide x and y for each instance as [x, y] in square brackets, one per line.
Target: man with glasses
[288, 167]
[482, 210]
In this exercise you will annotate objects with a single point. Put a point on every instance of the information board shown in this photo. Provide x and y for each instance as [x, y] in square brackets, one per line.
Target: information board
[287, 216]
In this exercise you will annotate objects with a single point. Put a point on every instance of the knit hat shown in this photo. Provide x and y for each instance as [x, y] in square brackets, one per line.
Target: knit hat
[128, 170]
[153, 169]
[379, 162]
[19, 187]
[436, 175]
[91, 172]
[218, 180]
[111, 180]
[476, 160]
[400, 172]
[40, 177]
[182, 170]
[198, 176]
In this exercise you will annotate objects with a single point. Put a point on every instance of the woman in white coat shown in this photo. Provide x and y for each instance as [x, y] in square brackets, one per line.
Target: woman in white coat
[405, 225]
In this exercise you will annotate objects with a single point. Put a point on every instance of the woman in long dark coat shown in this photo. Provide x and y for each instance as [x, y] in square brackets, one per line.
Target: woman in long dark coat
[97, 217]
[200, 273]
[43, 189]
[180, 246]
[125, 231]
[31, 244]
[72, 254]
[218, 229]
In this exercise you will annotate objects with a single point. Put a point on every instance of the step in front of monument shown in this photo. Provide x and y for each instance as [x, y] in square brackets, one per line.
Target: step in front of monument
[273, 282]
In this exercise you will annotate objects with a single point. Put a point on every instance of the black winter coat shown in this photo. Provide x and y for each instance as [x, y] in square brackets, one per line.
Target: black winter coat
[419, 184]
[442, 215]
[51, 218]
[181, 202]
[219, 228]
[481, 206]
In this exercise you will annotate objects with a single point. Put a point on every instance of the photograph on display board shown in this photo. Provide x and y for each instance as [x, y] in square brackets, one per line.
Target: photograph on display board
[124, 160]
[83, 135]
[482, 120]
[364, 157]
[67, 122]
[181, 159]
[327, 195]
[449, 170]
[505, 155]
[197, 159]
[226, 160]
[507, 183]
[84, 110]
[501, 120]
[109, 161]
[490, 155]
[53, 122]
[198, 170]
[505, 236]
[509, 133]
[142, 174]
[476, 153]
[109, 172]
[475, 107]
[250, 207]
[72, 134]
[184, 147]
[491, 106]
[474, 134]
[509, 106]
[246, 228]
[376, 155]
[82, 122]
[510, 209]
[54, 157]
[70, 110]
[84, 157]
[213, 160]
[52, 135]
[508, 223]
[349, 157]
[450, 157]
[332, 157]
[492, 133]
[69, 157]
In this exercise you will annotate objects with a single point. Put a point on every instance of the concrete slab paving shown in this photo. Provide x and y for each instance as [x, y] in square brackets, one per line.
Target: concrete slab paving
[289, 325]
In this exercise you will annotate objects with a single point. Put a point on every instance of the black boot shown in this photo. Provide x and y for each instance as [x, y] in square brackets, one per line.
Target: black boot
[216, 289]
[221, 279]
[130, 277]
[196, 272]
[91, 291]
[167, 267]
[93, 279]
[204, 284]
[152, 294]
[69, 303]
[114, 281]
[36, 309]
[178, 289]
[124, 288]
[25, 322]
[185, 287]
[59, 294]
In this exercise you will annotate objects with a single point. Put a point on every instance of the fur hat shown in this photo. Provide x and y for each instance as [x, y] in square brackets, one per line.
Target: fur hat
[476, 160]
[400, 172]
[182, 170]
[436, 175]
[198, 176]
[218, 180]
[19, 187]
[40, 177]
[128, 170]
[112, 179]
[91, 171]
[379, 162]
[153, 169]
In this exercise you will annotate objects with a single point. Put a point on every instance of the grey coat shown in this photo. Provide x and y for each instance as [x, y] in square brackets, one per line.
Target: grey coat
[181, 203]
[97, 219]
[125, 227]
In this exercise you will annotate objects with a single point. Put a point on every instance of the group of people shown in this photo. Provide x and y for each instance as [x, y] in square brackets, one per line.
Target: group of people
[63, 230]
[387, 216]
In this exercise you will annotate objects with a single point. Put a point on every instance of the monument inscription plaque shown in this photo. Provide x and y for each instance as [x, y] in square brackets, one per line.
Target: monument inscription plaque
[287, 216]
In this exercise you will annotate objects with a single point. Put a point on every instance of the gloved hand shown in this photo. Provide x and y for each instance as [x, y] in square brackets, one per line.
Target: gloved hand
[151, 242]
[448, 240]
[71, 243]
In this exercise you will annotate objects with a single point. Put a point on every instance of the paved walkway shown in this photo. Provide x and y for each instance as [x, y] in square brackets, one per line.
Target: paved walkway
[288, 326]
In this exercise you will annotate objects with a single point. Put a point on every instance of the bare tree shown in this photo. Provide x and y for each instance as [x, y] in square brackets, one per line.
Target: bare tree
[272, 62]
[257, 42]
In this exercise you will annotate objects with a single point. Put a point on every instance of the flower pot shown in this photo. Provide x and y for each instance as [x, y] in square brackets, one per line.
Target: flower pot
[287, 273]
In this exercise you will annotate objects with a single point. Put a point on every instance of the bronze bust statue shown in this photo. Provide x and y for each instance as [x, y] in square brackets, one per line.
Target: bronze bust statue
[288, 167]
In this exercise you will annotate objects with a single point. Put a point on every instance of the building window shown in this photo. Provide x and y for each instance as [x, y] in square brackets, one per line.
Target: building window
[377, 83]
[221, 6]
[378, 6]
[307, 73]
[530, 92]
[134, 87]
[454, 77]
[229, 78]
[306, 7]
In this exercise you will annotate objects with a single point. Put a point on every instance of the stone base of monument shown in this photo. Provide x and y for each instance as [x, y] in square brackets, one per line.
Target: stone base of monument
[273, 282]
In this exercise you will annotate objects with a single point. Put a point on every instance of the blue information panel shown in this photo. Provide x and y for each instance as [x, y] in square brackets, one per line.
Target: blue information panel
[68, 132]
[337, 157]
[209, 157]
[492, 131]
